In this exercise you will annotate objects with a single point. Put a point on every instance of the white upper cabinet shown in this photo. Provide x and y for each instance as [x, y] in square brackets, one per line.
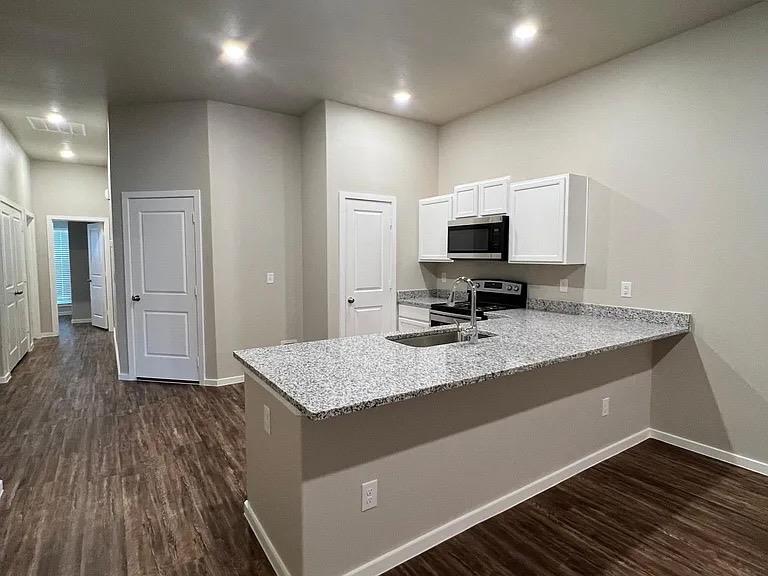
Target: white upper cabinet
[548, 220]
[465, 201]
[434, 214]
[494, 195]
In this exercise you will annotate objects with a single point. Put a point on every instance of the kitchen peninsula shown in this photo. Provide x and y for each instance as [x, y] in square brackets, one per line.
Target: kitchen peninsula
[457, 432]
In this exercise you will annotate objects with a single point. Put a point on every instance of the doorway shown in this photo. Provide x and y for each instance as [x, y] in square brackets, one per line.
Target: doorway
[367, 258]
[79, 271]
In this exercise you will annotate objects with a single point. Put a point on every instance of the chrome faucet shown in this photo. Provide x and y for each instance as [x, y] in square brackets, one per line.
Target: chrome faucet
[472, 286]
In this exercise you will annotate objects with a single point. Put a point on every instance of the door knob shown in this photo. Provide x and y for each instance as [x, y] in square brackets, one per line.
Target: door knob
[351, 300]
[135, 297]
[19, 293]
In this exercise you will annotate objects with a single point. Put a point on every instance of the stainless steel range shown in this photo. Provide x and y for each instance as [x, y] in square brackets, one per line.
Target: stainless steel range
[492, 295]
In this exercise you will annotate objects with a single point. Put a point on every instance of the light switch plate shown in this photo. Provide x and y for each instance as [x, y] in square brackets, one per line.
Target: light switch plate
[270, 277]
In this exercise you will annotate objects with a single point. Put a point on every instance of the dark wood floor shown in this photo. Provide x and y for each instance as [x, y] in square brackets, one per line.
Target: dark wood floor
[108, 478]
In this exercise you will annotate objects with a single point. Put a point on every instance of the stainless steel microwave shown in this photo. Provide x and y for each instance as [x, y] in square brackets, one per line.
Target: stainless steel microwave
[484, 238]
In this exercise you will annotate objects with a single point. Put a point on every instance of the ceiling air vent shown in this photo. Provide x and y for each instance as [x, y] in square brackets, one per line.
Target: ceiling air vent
[68, 128]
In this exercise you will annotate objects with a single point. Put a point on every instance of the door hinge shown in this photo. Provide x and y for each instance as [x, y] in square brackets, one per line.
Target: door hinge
[195, 291]
[193, 217]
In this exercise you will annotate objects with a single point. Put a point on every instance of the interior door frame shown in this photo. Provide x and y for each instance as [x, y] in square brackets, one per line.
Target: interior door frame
[196, 205]
[52, 267]
[384, 199]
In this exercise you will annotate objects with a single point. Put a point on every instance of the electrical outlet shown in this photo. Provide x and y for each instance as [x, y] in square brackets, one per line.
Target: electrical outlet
[606, 406]
[564, 285]
[443, 278]
[267, 420]
[270, 277]
[369, 495]
[626, 289]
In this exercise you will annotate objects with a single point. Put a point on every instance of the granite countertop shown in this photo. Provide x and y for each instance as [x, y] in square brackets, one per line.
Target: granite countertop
[422, 298]
[329, 378]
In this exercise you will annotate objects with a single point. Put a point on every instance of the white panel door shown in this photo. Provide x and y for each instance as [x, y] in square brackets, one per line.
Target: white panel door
[21, 292]
[434, 214]
[97, 275]
[162, 300]
[369, 263]
[15, 313]
[537, 222]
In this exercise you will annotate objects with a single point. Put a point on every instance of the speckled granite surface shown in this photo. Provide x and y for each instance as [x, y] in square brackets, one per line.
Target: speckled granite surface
[333, 377]
[422, 298]
[681, 319]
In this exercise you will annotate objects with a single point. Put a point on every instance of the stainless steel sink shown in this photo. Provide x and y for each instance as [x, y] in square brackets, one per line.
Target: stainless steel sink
[431, 339]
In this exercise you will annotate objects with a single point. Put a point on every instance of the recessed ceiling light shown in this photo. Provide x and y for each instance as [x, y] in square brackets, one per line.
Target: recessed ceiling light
[55, 118]
[234, 51]
[66, 153]
[525, 32]
[401, 97]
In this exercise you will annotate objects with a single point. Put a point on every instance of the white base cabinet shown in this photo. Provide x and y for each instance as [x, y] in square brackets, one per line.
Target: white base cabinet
[548, 220]
[434, 214]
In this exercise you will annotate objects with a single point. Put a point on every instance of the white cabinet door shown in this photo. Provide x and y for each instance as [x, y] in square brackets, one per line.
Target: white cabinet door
[537, 222]
[434, 214]
[494, 195]
[548, 220]
[465, 201]
[410, 325]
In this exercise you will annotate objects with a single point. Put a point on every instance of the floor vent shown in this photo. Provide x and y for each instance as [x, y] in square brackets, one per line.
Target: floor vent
[68, 128]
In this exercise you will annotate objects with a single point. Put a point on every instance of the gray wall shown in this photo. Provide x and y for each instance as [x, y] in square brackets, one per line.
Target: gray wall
[160, 147]
[247, 165]
[435, 458]
[14, 170]
[674, 138]
[350, 149]
[255, 166]
[62, 189]
[78, 270]
[314, 224]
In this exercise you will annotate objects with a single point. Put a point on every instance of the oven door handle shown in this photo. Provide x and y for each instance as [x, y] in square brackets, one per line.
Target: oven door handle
[448, 317]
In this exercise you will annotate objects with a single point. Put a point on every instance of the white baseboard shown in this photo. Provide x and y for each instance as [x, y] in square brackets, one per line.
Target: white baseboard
[1, 489]
[80, 321]
[5, 379]
[223, 381]
[47, 335]
[266, 544]
[125, 377]
[712, 452]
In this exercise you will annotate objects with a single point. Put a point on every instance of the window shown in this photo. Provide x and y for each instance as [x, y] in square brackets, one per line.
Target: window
[61, 261]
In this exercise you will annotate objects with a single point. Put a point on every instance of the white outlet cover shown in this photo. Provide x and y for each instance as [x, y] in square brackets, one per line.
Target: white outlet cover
[369, 497]
[564, 285]
[606, 406]
[443, 278]
[626, 289]
[270, 277]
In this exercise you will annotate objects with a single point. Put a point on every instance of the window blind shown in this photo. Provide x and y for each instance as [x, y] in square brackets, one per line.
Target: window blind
[61, 261]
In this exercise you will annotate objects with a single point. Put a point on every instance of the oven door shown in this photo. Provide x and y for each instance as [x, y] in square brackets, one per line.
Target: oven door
[446, 318]
[478, 238]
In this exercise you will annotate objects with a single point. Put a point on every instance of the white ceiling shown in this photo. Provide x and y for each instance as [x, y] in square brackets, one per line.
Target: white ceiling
[455, 56]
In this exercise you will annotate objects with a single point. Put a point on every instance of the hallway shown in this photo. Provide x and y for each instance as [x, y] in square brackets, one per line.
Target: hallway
[107, 478]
